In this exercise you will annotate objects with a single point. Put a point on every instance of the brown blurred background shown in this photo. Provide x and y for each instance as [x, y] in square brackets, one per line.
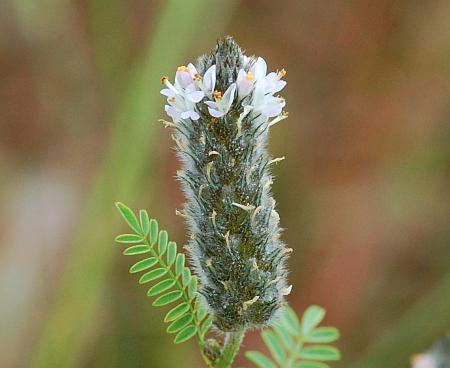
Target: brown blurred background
[364, 194]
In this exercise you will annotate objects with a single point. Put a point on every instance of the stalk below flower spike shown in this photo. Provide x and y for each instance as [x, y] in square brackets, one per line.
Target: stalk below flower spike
[222, 110]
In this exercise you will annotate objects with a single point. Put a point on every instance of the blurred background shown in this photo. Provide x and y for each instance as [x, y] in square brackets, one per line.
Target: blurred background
[364, 193]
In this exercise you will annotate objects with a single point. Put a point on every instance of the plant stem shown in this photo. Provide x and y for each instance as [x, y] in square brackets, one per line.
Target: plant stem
[233, 342]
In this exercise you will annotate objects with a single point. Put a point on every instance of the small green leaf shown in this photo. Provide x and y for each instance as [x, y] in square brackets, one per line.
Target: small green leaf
[171, 253]
[320, 352]
[153, 231]
[274, 345]
[311, 365]
[143, 265]
[145, 224]
[192, 288]
[162, 242]
[259, 359]
[129, 217]
[129, 238]
[180, 323]
[186, 277]
[176, 312]
[284, 336]
[179, 264]
[185, 334]
[206, 325]
[200, 309]
[136, 249]
[152, 275]
[311, 318]
[323, 335]
[167, 298]
[290, 321]
[160, 287]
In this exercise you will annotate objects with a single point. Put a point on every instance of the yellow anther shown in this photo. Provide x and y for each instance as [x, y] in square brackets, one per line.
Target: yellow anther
[217, 95]
[182, 68]
[197, 77]
[282, 73]
[249, 76]
[164, 79]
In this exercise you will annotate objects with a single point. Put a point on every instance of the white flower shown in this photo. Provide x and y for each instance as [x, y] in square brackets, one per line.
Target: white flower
[244, 83]
[263, 101]
[183, 96]
[223, 103]
[185, 75]
[182, 107]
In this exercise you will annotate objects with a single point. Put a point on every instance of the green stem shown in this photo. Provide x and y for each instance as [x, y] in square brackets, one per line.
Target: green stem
[233, 342]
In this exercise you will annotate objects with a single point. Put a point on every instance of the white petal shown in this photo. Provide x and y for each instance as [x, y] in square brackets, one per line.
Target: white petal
[272, 110]
[241, 75]
[228, 97]
[195, 96]
[209, 79]
[167, 92]
[259, 69]
[212, 104]
[215, 113]
[172, 112]
[190, 115]
[244, 86]
[192, 70]
[195, 115]
[279, 86]
[183, 78]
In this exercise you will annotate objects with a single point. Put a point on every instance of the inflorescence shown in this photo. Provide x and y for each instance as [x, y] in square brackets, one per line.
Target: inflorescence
[221, 112]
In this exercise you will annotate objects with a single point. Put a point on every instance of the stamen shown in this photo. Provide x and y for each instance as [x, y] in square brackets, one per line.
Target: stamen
[197, 77]
[217, 95]
[249, 76]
